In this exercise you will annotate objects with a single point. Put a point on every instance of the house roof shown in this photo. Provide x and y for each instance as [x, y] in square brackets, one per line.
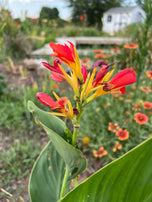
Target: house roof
[121, 9]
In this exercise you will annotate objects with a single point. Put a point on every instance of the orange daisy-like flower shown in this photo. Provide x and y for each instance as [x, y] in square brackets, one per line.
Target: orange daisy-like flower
[100, 56]
[115, 50]
[117, 146]
[149, 74]
[123, 134]
[101, 152]
[113, 127]
[98, 51]
[136, 106]
[85, 60]
[131, 46]
[145, 89]
[147, 105]
[140, 118]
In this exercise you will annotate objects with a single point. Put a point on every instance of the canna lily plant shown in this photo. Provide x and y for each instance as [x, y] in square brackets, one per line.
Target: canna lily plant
[61, 162]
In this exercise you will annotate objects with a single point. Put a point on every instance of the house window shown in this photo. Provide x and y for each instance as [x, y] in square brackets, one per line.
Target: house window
[109, 19]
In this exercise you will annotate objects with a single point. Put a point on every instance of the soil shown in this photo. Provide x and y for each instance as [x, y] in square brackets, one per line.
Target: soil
[26, 73]
[21, 74]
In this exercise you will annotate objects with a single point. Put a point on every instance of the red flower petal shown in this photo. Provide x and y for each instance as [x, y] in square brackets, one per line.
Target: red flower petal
[123, 90]
[46, 100]
[54, 67]
[56, 77]
[64, 52]
[101, 73]
[122, 78]
[84, 72]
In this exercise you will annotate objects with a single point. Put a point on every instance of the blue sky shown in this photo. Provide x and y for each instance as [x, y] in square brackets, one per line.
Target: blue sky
[33, 7]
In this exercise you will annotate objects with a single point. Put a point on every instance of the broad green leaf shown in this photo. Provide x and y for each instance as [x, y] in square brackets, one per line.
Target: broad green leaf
[127, 179]
[47, 175]
[50, 121]
[74, 159]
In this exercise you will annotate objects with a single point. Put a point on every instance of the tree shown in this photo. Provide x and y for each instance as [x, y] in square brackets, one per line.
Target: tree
[49, 13]
[93, 8]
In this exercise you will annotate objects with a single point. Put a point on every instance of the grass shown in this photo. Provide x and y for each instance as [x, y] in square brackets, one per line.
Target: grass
[21, 139]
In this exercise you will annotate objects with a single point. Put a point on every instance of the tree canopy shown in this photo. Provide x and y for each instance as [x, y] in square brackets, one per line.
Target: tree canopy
[93, 9]
[49, 13]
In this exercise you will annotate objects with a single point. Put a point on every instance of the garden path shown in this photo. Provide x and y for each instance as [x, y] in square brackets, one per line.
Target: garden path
[82, 41]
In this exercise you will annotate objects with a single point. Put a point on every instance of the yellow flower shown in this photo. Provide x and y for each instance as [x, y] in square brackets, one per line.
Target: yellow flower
[86, 140]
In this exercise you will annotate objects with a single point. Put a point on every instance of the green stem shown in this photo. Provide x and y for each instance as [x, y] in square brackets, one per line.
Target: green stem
[64, 184]
[74, 137]
[76, 182]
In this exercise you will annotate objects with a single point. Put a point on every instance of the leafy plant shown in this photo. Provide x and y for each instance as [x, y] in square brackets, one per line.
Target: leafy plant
[63, 150]
[2, 84]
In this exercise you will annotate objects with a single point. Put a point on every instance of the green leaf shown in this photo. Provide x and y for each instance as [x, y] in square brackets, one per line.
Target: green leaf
[127, 179]
[47, 176]
[50, 121]
[55, 128]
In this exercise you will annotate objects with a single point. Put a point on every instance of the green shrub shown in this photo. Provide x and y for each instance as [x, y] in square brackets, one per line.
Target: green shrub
[2, 84]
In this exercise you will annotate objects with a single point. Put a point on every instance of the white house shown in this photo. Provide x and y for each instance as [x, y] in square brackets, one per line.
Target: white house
[117, 18]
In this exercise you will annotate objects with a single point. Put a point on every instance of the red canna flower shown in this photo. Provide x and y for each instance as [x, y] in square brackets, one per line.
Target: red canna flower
[68, 54]
[123, 78]
[101, 84]
[117, 146]
[57, 74]
[123, 134]
[60, 105]
[64, 52]
[100, 153]
[147, 105]
[101, 73]
[131, 46]
[140, 118]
